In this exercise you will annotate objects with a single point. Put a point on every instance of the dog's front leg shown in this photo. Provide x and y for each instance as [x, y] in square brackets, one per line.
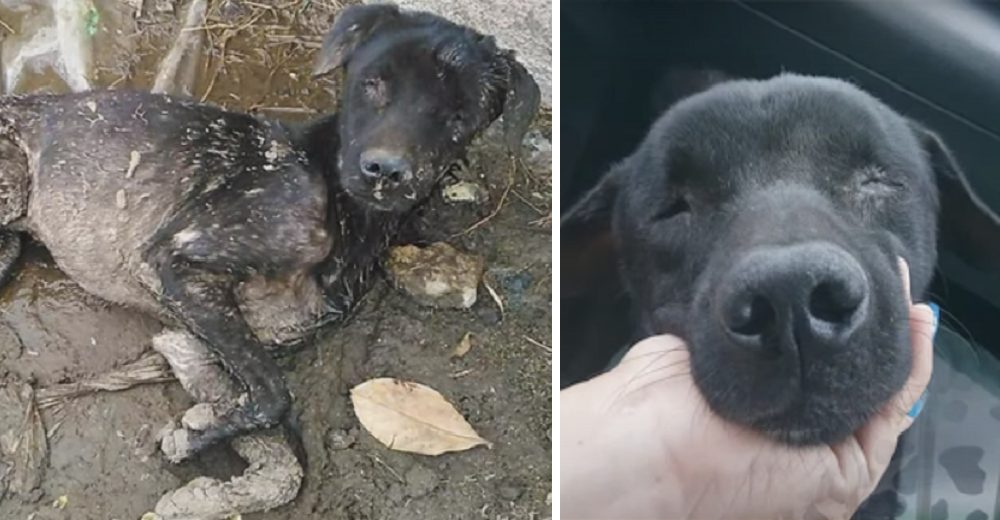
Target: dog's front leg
[203, 300]
[273, 475]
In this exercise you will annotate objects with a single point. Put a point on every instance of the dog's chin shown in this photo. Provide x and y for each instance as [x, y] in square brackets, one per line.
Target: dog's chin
[786, 411]
[383, 200]
[794, 431]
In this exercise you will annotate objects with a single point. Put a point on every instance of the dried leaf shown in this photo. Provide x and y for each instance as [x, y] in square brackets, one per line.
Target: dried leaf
[412, 417]
[463, 346]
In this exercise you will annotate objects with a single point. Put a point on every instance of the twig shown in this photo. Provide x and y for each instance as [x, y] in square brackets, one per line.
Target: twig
[284, 110]
[537, 343]
[500, 204]
[520, 197]
[388, 467]
[150, 368]
[495, 296]
[5, 26]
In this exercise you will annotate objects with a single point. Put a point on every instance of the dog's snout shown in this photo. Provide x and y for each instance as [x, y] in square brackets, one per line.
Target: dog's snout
[384, 165]
[799, 296]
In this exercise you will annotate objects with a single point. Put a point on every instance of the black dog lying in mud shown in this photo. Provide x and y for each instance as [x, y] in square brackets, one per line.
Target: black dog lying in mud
[761, 222]
[247, 232]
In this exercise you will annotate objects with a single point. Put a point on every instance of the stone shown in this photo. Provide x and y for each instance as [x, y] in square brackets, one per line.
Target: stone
[538, 151]
[522, 25]
[420, 481]
[341, 439]
[463, 192]
[437, 275]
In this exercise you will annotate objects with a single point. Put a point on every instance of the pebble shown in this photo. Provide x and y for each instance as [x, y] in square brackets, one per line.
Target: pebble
[510, 492]
[341, 440]
[459, 192]
[420, 481]
[437, 275]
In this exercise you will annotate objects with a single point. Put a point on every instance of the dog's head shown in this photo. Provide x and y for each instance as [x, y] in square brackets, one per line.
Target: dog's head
[761, 221]
[417, 89]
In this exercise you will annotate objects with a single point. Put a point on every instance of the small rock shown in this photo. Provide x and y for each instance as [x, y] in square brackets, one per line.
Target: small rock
[420, 480]
[341, 440]
[537, 151]
[514, 284]
[510, 492]
[463, 192]
[436, 276]
[395, 493]
[488, 312]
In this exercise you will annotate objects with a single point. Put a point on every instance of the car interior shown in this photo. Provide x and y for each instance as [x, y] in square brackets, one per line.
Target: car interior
[937, 62]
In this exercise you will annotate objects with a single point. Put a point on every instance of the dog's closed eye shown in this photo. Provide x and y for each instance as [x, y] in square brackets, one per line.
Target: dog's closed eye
[679, 206]
[375, 90]
[876, 181]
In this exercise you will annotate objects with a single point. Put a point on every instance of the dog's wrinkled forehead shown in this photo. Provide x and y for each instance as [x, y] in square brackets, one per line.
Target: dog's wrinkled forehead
[827, 122]
[426, 59]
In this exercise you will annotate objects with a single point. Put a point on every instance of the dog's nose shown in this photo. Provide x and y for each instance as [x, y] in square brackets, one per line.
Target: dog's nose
[385, 165]
[797, 296]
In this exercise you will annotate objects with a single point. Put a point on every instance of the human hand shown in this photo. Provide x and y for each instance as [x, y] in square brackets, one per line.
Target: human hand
[640, 442]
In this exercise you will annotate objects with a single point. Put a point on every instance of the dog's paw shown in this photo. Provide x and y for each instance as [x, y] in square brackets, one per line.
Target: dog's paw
[200, 417]
[176, 442]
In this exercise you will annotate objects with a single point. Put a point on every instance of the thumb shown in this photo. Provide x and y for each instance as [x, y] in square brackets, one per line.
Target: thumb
[879, 436]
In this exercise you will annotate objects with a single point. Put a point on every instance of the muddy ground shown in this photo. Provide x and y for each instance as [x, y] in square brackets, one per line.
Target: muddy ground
[103, 457]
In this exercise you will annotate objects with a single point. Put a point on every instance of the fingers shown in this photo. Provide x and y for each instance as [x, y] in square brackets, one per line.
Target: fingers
[922, 326]
[878, 438]
[654, 345]
[904, 272]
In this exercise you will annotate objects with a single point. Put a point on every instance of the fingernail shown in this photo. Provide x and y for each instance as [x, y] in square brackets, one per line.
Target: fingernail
[937, 314]
[918, 406]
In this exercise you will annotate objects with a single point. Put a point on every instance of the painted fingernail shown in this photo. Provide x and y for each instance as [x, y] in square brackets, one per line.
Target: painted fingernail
[937, 314]
[918, 406]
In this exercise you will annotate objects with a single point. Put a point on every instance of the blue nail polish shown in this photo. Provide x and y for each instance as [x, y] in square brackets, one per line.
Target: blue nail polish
[918, 406]
[937, 314]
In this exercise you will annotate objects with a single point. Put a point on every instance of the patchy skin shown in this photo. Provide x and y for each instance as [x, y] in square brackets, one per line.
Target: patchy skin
[244, 231]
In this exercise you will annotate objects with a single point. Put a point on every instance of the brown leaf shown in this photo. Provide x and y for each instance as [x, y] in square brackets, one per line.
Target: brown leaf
[412, 417]
[463, 346]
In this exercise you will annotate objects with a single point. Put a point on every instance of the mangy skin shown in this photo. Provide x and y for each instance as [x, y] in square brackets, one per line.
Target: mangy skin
[246, 233]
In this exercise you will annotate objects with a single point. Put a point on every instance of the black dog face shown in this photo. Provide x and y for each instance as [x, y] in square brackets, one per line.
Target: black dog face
[417, 89]
[761, 222]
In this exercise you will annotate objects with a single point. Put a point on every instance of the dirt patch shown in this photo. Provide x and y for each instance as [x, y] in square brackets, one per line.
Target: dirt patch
[103, 457]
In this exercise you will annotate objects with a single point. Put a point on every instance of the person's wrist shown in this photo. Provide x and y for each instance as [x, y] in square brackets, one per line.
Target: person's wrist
[607, 461]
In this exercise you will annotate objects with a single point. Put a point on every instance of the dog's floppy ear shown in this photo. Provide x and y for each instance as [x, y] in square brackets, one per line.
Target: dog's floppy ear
[587, 245]
[967, 226]
[520, 104]
[352, 27]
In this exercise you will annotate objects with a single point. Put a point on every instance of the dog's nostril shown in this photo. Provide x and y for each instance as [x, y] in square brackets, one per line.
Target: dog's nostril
[382, 165]
[371, 167]
[753, 317]
[834, 302]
